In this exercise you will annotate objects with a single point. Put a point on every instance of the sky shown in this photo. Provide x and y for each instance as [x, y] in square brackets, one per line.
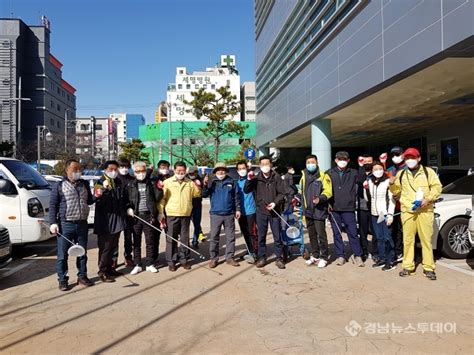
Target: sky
[121, 54]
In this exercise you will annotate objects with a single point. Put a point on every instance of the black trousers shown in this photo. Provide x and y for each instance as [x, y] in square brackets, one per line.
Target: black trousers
[364, 220]
[317, 238]
[178, 228]
[107, 245]
[248, 228]
[397, 234]
[151, 250]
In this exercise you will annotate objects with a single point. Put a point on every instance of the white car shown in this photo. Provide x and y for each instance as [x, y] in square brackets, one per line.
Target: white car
[453, 217]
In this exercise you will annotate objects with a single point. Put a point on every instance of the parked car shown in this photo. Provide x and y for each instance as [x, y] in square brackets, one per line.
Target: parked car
[453, 215]
[5, 247]
[24, 202]
[92, 179]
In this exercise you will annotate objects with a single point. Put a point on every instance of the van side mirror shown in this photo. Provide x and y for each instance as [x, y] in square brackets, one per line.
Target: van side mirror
[7, 187]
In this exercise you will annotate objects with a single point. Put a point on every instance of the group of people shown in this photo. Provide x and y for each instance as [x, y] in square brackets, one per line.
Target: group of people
[393, 204]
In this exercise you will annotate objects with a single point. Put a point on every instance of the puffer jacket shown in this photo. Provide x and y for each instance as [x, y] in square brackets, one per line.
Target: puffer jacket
[379, 196]
[312, 185]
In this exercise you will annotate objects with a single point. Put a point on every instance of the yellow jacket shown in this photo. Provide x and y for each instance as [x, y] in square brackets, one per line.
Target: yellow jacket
[178, 197]
[405, 186]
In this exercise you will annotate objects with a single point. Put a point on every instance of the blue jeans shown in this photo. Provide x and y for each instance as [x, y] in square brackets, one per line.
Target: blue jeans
[263, 220]
[76, 233]
[196, 217]
[350, 224]
[385, 242]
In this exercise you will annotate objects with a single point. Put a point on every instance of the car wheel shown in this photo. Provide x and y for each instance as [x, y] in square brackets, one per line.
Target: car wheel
[455, 238]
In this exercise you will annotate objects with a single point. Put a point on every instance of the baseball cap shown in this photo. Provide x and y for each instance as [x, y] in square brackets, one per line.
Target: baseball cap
[412, 152]
[220, 166]
[193, 170]
[342, 155]
[396, 150]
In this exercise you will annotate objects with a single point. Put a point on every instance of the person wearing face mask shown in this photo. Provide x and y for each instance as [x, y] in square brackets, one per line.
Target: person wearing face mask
[109, 218]
[225, 205]
[407, 185]
[316, 190]
[177, 202]
[248, 208]
[398, 161]
[269, 194]
[141, 197]
[68, 211]
[196, 216]
[363, 208]
[125, 178]
[381, 203]
[343, 202]
[291, 189]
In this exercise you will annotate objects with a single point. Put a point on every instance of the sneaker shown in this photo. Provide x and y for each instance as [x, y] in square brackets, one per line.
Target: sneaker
[151, 268]
[232, 262]
[84, 281]
[388, 267]
[378, 264]
[359, 262]
[261, 263]
[105, 278]
[399, 257]
[370, 256]
[250, 258]
[312, 261]
[430, 275]
[340, 261]
[280, 264]
[405, 273]
[213, 264]
[322, 263]
[202, 237]
[136, 270]
[63, 286]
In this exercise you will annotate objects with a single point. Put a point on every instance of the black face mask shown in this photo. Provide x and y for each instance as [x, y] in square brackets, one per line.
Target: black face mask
[368, 167]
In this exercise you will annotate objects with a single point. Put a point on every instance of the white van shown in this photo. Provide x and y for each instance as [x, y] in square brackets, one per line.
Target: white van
[24, 202]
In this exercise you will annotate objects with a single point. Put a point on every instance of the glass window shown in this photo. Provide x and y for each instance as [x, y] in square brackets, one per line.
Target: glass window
[51, 121]
[26, 175]
[196, 86]
[180, 86]
[204, 86]
[450, 152]
[188, 86]
[213, 87]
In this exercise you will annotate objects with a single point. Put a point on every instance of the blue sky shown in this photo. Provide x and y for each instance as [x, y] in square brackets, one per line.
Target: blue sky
[120, 54]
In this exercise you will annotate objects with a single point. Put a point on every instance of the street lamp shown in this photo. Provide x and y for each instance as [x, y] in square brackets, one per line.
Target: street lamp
[47, 137]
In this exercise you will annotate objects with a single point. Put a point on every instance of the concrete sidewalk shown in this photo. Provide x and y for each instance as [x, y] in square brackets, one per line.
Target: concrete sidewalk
[246, 310]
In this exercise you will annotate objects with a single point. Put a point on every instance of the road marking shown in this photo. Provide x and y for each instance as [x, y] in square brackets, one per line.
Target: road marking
[28, 263]
[455, 268]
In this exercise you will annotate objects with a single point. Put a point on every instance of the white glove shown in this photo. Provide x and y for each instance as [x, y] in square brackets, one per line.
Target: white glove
[389, 220]
[271, 206]
[130, 212]
[54, 229]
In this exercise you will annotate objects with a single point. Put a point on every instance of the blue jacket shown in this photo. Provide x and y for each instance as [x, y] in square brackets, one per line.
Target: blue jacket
[224, 196]
[58, 204]
[247, 201]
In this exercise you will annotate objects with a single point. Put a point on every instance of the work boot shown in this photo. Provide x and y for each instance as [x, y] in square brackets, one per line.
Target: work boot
[429, 275]
[105, 278]
[213, 263]
[280, 264]
[84, 281]
[202, 237]
[232, 262]
[63, 286]
[186, 265]
[172, 268]
[115, 273]
[405, 273]
[261, 263]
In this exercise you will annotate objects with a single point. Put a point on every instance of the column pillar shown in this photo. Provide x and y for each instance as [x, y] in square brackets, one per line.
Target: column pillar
[321, 142]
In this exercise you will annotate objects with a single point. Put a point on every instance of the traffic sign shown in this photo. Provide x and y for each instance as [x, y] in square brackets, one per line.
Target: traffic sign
[249, 153]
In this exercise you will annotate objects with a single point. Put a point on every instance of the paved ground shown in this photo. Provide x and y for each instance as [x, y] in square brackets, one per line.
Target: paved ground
[244, 310]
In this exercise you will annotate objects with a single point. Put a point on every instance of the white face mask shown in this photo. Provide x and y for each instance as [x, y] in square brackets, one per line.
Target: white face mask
[76, 176]
[291, 171]
[265, 169]
[397, 159]
[242, 173]
[220, 177]
[179, 176]
[123, 171]
[140, 176]
[163, 171]
[411, 163]
[341, 163]
[111, 174]
[378, 173]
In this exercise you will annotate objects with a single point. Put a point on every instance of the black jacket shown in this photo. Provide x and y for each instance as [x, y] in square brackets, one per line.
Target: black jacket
[109, 215]
[362, 203]
[125, 180]
[131, 196]
[267, 191]
[344, 189]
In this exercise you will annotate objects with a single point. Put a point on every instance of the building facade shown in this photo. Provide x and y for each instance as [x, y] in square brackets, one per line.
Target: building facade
[96, 137]
[247, 96]
[365, 75]
[127, 125]
[161, 113]
[210, 80]
[32, 89]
